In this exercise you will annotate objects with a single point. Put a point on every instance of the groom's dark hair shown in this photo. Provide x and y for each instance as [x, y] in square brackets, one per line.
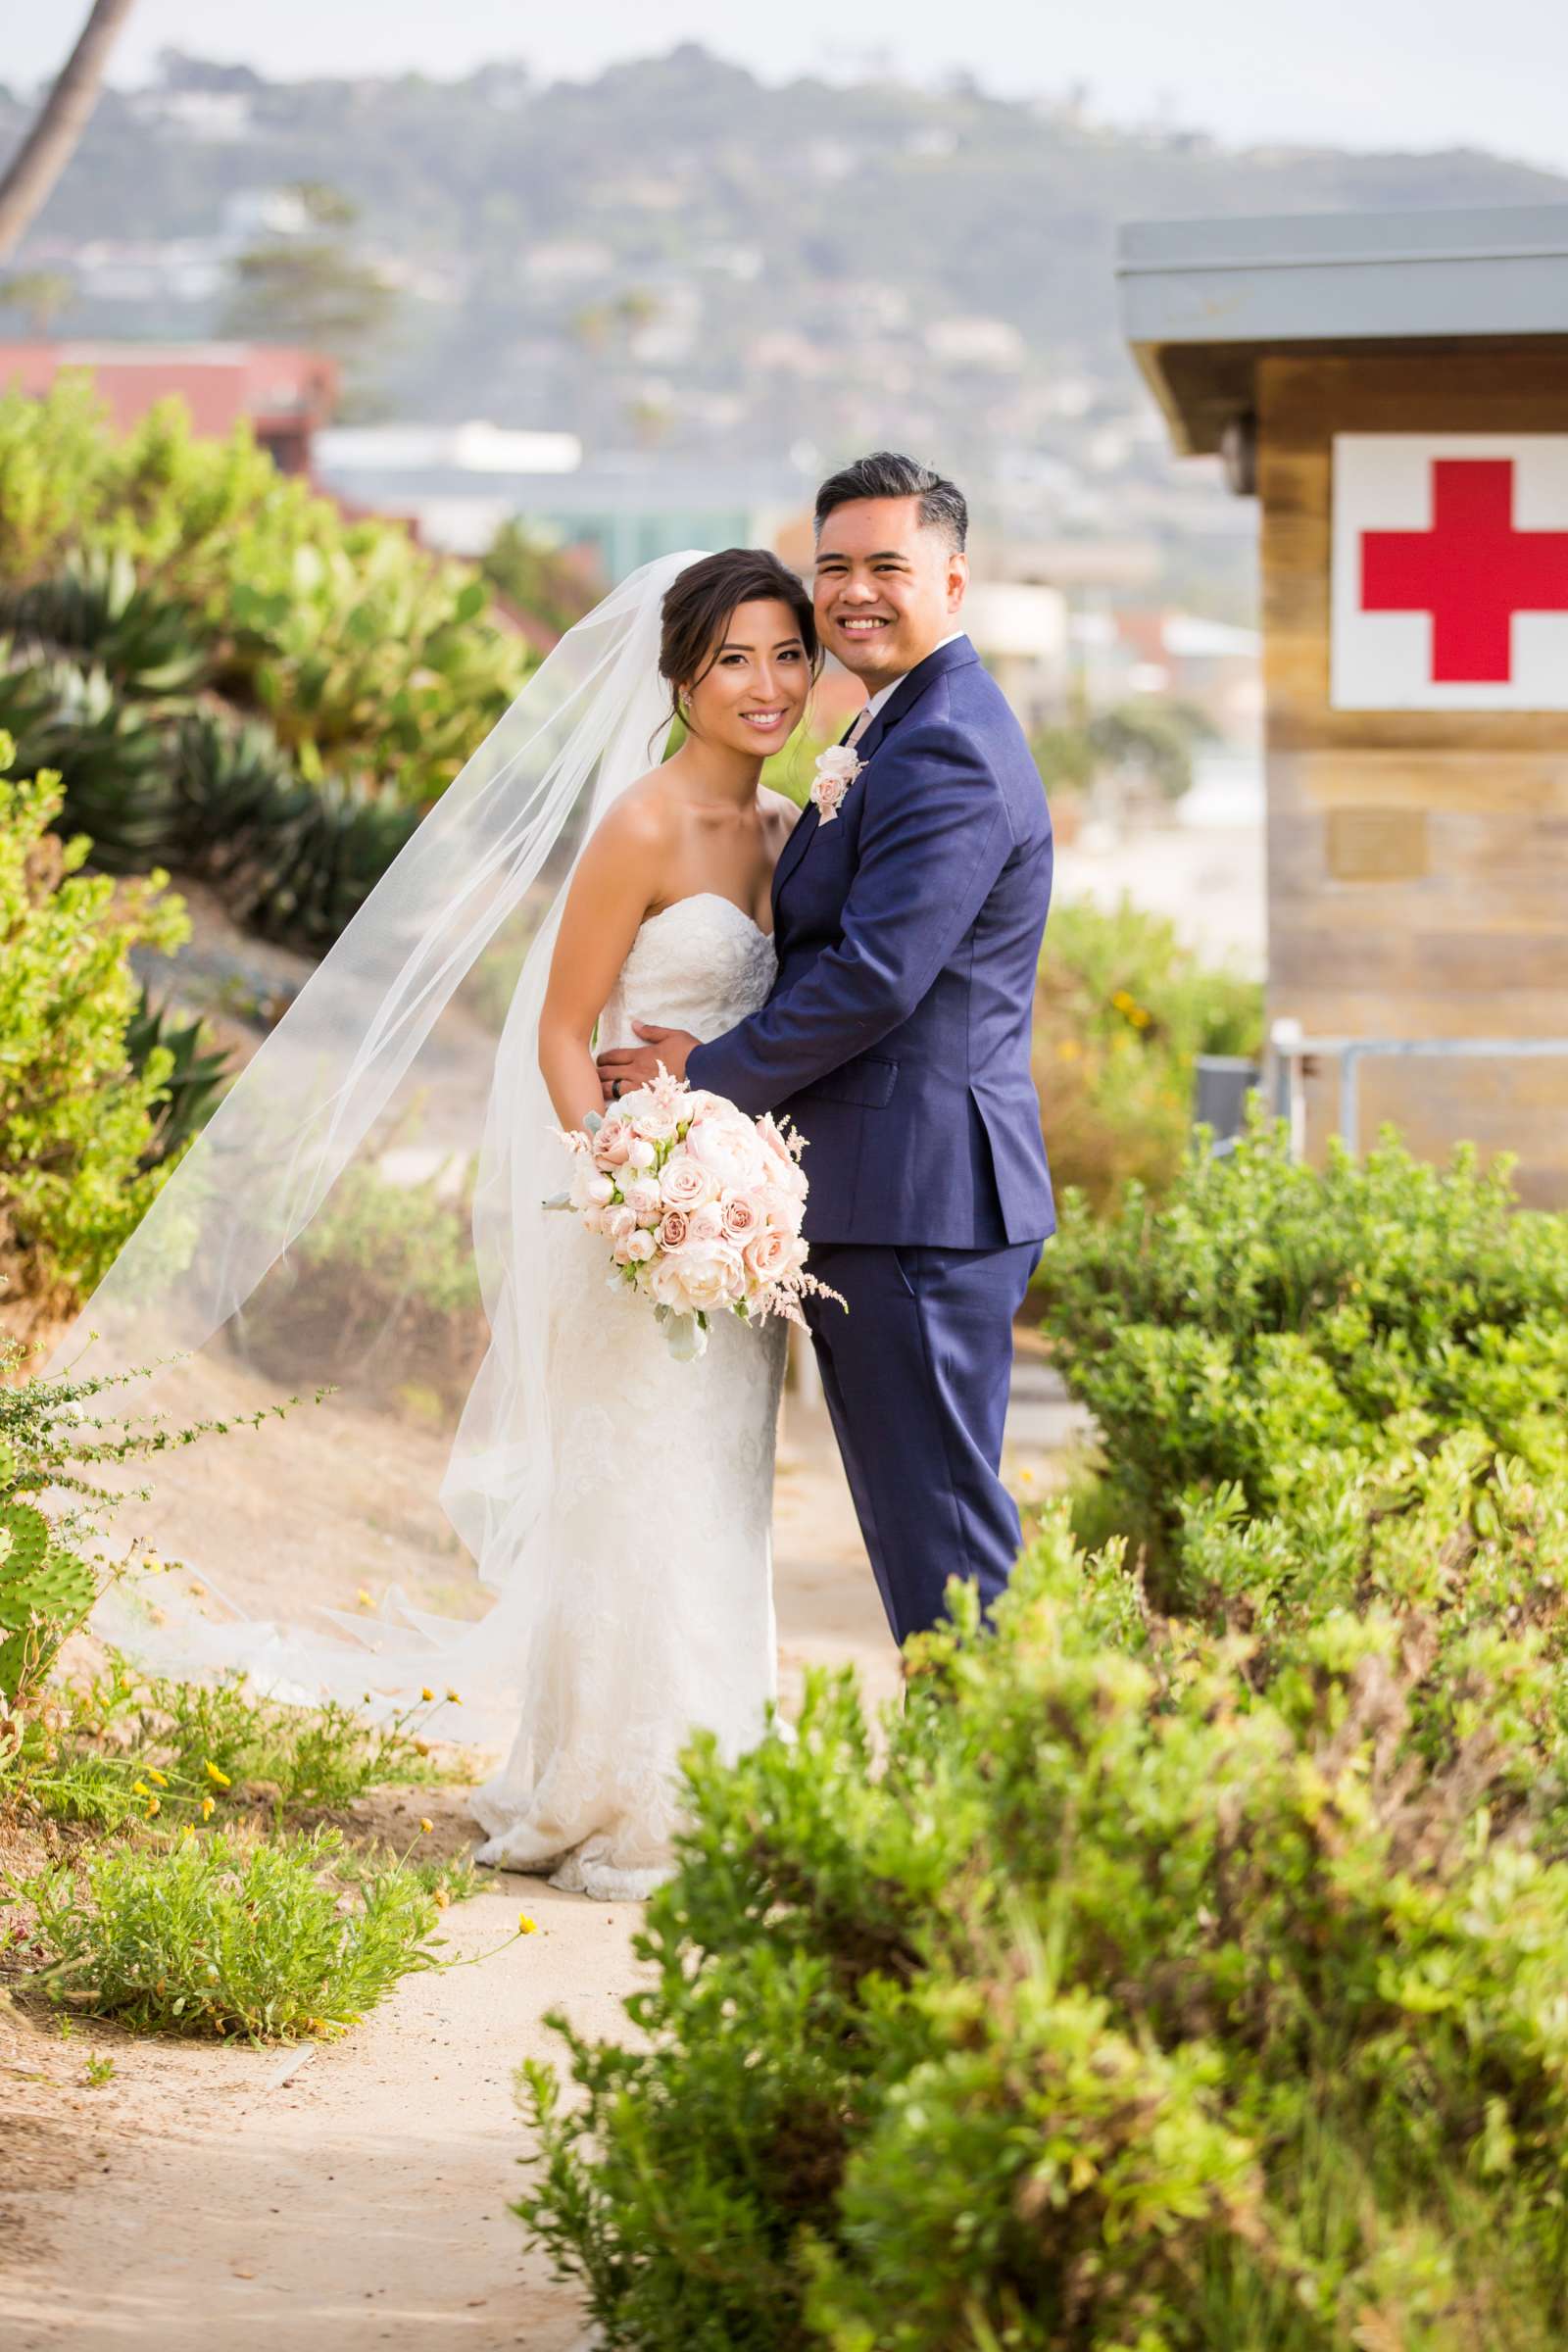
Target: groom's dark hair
[886, 473]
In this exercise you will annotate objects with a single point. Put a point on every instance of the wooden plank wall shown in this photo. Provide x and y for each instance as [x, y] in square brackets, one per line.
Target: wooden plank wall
[1417, 862]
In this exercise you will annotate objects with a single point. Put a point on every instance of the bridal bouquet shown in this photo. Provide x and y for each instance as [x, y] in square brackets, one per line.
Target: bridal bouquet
[700, 1205]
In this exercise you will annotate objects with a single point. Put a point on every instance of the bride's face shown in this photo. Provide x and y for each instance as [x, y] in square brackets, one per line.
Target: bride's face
[755, 681]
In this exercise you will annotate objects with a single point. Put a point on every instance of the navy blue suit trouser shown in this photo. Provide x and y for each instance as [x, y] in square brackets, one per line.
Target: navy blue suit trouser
[917, 1377]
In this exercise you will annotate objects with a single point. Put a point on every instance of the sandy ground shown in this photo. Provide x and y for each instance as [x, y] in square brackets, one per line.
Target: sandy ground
[357, 2196]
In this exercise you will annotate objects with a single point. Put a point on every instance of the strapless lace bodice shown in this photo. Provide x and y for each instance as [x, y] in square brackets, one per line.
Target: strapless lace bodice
[699, 966]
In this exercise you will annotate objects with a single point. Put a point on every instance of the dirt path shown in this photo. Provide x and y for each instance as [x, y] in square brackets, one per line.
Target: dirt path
[217, 2197]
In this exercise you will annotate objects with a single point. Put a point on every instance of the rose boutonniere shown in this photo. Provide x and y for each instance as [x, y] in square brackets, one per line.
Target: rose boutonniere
[836, 770]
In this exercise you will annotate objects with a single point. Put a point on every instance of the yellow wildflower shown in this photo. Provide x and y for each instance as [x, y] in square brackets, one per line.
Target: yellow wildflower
[526, 1926]
[421, 1747]
[221, 1777]
[425, 1825]
[455, 1700]
[427, 1693]
[153, 1564]
[139, 1788]
[364, 1598]
[160, 1779]
[208, 1807]
[153, 1806]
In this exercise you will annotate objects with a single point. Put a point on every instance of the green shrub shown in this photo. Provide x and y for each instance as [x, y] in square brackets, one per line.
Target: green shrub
[372, 656]
[210, 1936]
[78, 1114]
[1268, 1311]
[1146, 1995]
[194, 637]
[213, 1743]
[1122, 1010]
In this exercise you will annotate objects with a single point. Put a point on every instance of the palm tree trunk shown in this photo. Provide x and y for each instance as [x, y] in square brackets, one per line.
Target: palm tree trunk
[54, 138]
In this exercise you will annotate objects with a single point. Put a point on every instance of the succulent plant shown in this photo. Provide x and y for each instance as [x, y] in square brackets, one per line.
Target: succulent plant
[95, 605]
[45, 1591]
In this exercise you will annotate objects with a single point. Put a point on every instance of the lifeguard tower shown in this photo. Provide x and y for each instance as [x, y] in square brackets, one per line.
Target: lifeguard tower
[1393, 388]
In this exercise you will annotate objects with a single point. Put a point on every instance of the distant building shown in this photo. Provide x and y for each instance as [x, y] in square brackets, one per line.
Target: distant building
[284, 391]
[1020, 632]
[458, 485]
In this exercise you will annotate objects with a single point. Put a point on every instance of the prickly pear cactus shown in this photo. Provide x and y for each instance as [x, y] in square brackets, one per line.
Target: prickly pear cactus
[44, 1591]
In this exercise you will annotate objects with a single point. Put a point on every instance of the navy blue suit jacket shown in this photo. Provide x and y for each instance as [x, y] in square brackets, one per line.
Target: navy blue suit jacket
[897, 1036]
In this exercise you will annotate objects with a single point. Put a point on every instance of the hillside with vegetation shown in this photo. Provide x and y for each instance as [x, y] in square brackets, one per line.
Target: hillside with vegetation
[677, 253]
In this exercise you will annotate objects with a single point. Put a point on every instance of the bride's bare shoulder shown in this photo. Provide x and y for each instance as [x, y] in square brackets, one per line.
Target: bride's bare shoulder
[643, 818]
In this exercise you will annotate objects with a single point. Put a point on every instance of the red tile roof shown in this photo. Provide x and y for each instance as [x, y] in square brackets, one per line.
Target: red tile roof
[274, 385]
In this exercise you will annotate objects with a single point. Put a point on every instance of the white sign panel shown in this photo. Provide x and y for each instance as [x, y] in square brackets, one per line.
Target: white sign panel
[1450, 571]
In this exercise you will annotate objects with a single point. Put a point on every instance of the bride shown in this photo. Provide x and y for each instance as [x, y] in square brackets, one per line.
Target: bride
[615, 1503]
[663, 1482]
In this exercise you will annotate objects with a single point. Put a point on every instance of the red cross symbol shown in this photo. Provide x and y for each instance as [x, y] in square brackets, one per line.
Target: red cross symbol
[1472, 571]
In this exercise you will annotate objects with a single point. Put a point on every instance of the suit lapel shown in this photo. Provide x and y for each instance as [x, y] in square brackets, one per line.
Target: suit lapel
[794, 850]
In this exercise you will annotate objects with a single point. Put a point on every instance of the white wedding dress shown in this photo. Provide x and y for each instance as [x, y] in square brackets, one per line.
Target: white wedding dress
[658, 1522]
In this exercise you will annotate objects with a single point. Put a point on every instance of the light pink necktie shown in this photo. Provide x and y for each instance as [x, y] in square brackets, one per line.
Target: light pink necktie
[859, 729]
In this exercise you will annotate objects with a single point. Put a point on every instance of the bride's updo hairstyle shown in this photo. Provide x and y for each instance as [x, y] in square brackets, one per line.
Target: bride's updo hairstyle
[698, 604]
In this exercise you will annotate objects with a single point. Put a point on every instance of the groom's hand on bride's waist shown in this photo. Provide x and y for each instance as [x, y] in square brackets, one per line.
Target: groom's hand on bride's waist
[631, 1066]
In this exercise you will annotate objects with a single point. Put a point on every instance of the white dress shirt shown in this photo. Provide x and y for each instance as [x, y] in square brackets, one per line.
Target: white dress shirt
[881, 695]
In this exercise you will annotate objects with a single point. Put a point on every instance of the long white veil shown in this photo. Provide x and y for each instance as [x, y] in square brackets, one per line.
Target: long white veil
[373, 1175]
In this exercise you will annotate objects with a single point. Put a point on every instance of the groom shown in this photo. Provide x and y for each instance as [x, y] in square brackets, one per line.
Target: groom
[907, 924]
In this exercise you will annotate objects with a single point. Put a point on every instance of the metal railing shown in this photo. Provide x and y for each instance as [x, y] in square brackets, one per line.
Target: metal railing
[1223, 1083]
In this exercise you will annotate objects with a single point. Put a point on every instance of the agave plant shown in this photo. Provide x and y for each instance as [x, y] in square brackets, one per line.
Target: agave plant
[194, 1085]
[293, 860]
[96, 605]
[109, 753]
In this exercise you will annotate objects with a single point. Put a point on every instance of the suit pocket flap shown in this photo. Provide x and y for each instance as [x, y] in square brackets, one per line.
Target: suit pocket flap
[868, 1080]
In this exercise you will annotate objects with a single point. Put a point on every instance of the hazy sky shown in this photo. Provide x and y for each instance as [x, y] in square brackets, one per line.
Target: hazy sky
[1360, 72]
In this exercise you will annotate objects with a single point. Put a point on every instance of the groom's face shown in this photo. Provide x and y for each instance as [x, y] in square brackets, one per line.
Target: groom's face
[888, 587]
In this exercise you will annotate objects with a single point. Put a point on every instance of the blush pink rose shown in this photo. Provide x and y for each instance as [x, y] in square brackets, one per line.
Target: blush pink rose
[742, 1218]
[706, 1222]
[613, 1144]
[673, 1229]
[620, 1221]
[637, 1247]
[643, 1201]
[774, 1256]
[685, 1183]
